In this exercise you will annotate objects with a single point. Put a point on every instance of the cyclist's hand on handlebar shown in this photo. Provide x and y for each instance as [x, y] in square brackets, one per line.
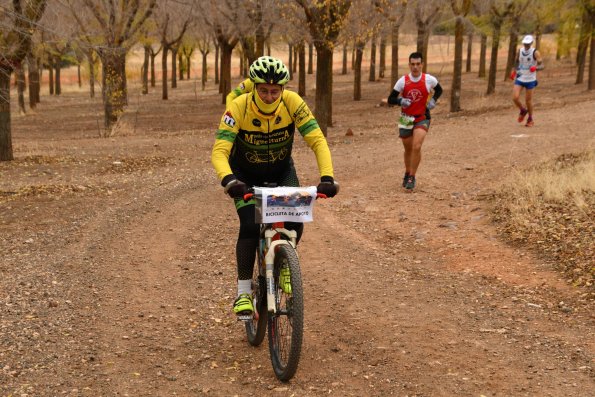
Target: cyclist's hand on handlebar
[328, 186]
[234, 187]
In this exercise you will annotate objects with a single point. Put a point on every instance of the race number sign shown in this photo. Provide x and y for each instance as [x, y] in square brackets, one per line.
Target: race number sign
[284, 204]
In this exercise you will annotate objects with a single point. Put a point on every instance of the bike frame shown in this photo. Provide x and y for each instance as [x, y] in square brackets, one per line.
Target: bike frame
[272, 234]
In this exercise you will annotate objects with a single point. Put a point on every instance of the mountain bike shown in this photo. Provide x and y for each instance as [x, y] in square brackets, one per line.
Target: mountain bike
[277, 306]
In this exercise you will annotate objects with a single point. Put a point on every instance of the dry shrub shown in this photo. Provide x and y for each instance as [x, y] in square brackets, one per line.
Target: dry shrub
[551, 208]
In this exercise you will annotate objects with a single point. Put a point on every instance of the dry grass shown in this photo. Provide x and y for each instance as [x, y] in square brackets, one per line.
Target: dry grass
[551, 208]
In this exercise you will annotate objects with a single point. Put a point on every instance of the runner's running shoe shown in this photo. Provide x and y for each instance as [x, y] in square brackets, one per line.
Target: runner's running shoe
[410, 182]
[530, 122]
[243, 305]
[522, 115]
[285, 280]
[405, 179]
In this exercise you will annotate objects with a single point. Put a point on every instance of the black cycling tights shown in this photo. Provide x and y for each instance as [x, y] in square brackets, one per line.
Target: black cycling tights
[248, 240]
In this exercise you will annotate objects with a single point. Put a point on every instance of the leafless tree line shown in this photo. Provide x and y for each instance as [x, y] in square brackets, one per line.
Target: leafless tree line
[40, 35]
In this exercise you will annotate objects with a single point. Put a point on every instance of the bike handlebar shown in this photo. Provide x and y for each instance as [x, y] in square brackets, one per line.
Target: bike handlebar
[248, 196]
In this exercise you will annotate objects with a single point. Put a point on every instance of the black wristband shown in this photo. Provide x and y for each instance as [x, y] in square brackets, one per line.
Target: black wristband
[227, 178]
[327, 179]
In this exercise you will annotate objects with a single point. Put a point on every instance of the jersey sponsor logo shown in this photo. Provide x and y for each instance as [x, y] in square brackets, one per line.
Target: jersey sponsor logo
[415, 95]
[267, 139]
[256, 123]
[278, 120]
[301, 113]
[229, 120]
[242, 86]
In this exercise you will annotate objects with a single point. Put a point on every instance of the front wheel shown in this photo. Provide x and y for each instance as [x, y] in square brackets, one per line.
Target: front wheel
[286, 327]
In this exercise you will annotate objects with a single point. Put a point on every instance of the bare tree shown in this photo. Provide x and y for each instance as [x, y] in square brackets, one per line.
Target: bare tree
[499, 10]
[19, 23]
[517, 10]
[426, 15]
[397, 9]
[114, 29]
[325, 21]
[171, 19]
[587, 9]
[460, 8]
[363, 24]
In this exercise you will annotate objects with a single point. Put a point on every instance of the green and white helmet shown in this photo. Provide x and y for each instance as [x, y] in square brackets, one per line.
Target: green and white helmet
[269, 70]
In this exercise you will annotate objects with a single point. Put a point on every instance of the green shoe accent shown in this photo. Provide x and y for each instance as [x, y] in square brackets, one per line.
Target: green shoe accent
[285, 280]
[243, 305]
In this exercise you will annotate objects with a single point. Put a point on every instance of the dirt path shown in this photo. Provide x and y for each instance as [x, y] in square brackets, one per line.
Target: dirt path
[124, 283]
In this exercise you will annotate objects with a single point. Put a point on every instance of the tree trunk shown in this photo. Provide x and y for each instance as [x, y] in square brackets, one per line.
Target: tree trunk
[57, 82]
[592, 63]
[78, 74]
[302, 70]
[310, 57]
[165, 51]
[469, 52]
[226, 52]
[482, 55]
[423, 36]
[115, 94]
[174, 72]
[180, 66]
[33, 72]
[145, 70]
[91, 73]
[152, 62]
[295, 59]
[188, 65]
[455, 94]
[344, 69]
[394, 64]
[21, 84]
[204, 73]
[494, 59]
[51, 76]
[217, 64]
[290, 62]
[5, 135]
[382, 65]
[513, 38]
[372, 76]
[357, 72]
[583, 46]
[324, 85]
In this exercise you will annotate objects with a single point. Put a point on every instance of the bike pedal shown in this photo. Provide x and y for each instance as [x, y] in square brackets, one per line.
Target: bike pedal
[245, 317]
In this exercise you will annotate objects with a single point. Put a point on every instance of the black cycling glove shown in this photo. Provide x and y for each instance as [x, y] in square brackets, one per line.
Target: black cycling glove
[234, 187]
[328, 186]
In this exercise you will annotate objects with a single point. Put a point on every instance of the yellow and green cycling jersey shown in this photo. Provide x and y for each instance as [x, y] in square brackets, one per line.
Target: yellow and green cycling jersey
[243, 88]
[258, 146]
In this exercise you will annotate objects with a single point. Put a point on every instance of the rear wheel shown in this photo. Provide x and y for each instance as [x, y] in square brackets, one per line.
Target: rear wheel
[256, 328]
[286, 327]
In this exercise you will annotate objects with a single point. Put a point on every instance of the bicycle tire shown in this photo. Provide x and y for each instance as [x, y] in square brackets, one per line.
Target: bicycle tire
[286, 327]
[256, 329]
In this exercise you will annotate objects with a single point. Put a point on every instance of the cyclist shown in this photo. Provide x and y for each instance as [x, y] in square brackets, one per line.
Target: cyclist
[242, 88]
[416, 93]
[253, 146]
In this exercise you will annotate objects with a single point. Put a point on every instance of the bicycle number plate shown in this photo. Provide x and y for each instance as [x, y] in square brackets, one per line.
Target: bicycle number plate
[284, 204]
